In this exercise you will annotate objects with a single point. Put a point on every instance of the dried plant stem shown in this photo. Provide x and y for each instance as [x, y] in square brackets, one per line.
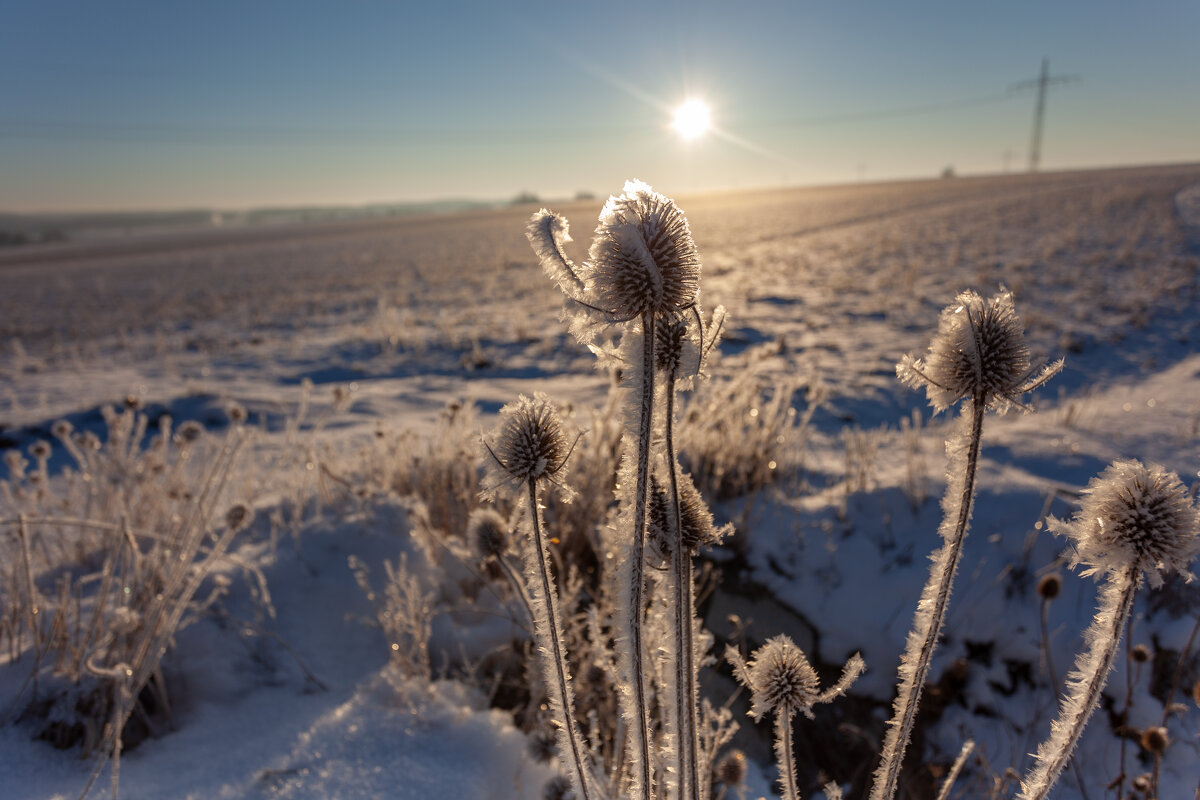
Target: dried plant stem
[640, 725]
[931, 613]
[783, 754]
[686, 696]
[1091, 671]
[1054, 683]
[1175, 681]
[549, 630]
[955, 769]
[32, 607]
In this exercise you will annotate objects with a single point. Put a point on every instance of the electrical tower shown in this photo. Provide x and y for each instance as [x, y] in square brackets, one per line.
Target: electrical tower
[1039, 113]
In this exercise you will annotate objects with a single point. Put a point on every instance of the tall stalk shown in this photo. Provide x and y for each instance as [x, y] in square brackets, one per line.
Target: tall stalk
[978, 355]
[1134, 520]
[930, 616]
[636, 568]
[1092, 668]
[686, 694]
[549, 630]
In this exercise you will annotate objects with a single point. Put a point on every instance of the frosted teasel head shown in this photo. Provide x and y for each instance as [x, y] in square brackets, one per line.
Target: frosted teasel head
[781, 681]
[1134, 515]
[530, 444]
[683, 341]
[488, 533]
[642, 261]
[979, 352]
[696, 527]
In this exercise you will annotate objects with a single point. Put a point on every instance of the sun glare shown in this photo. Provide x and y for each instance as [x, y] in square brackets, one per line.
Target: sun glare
[692, 119]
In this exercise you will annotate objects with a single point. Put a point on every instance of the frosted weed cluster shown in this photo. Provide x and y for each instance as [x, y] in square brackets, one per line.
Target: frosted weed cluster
[643, 276]
[131, 535]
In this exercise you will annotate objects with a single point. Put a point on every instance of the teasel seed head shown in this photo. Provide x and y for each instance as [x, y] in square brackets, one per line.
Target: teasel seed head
[731, 769]
[781, 680]
[236, 413]
[697, 529]
[188, 432]
[979, 352]
[239, 517]
[1049, 586]
[1140, 654]
[62, 429]
[40, 450]
[543, 744]
[558, 788]
[530, 444]
[1134, 515]
[488, 533]
[696, 521]
[669, 338]
[1143, 782]
[1155, 740]
[643, 259]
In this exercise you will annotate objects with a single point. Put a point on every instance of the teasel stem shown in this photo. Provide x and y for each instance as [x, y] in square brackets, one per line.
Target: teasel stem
[1092, 666]
[641, 724]
[687, 737]
[930, 616]
[783, 753]
[955, 769]
[551, 629]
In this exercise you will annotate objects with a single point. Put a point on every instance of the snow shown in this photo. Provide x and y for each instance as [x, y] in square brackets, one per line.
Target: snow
[829, 285]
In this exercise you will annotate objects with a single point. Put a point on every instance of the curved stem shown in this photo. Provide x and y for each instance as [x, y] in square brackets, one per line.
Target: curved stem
[556, 653]
[1091, 671]
[927, 627]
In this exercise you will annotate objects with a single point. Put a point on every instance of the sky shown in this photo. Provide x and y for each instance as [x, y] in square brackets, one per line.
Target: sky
[136, 104]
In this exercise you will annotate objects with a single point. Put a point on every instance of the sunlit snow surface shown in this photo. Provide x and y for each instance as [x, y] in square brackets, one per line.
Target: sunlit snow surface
[831, 285]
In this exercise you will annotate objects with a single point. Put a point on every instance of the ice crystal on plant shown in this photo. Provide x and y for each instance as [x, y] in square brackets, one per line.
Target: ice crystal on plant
[1134, 514]
[979, 352]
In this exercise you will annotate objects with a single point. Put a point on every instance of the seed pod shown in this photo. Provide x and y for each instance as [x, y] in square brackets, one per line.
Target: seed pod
[1049, 586]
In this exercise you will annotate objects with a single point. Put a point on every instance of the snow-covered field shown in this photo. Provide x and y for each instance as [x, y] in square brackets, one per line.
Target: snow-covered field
[337, 339]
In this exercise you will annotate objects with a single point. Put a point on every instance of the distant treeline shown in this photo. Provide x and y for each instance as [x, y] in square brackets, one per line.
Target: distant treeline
[19, 238]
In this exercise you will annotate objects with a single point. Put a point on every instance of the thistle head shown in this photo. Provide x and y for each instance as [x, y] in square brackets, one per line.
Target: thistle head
[643, 259]
[979, 352]
[1134, 516]
[530, 444]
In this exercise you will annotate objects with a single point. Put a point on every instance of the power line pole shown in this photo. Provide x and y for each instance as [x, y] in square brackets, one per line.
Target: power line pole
[1039, 113]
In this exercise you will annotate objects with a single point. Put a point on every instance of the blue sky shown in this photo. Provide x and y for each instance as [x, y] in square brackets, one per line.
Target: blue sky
[127, 104]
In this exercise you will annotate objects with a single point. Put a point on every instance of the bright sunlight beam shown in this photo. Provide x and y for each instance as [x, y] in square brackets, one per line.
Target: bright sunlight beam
[692, 119]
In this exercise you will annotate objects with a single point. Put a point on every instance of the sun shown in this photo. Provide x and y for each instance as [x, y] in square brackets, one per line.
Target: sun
[692, 119]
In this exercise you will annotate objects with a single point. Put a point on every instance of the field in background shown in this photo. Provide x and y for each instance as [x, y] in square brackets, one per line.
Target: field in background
[333, 336]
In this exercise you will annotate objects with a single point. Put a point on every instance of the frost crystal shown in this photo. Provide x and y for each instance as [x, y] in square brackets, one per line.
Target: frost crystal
[979, 352]
[1132, 514]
